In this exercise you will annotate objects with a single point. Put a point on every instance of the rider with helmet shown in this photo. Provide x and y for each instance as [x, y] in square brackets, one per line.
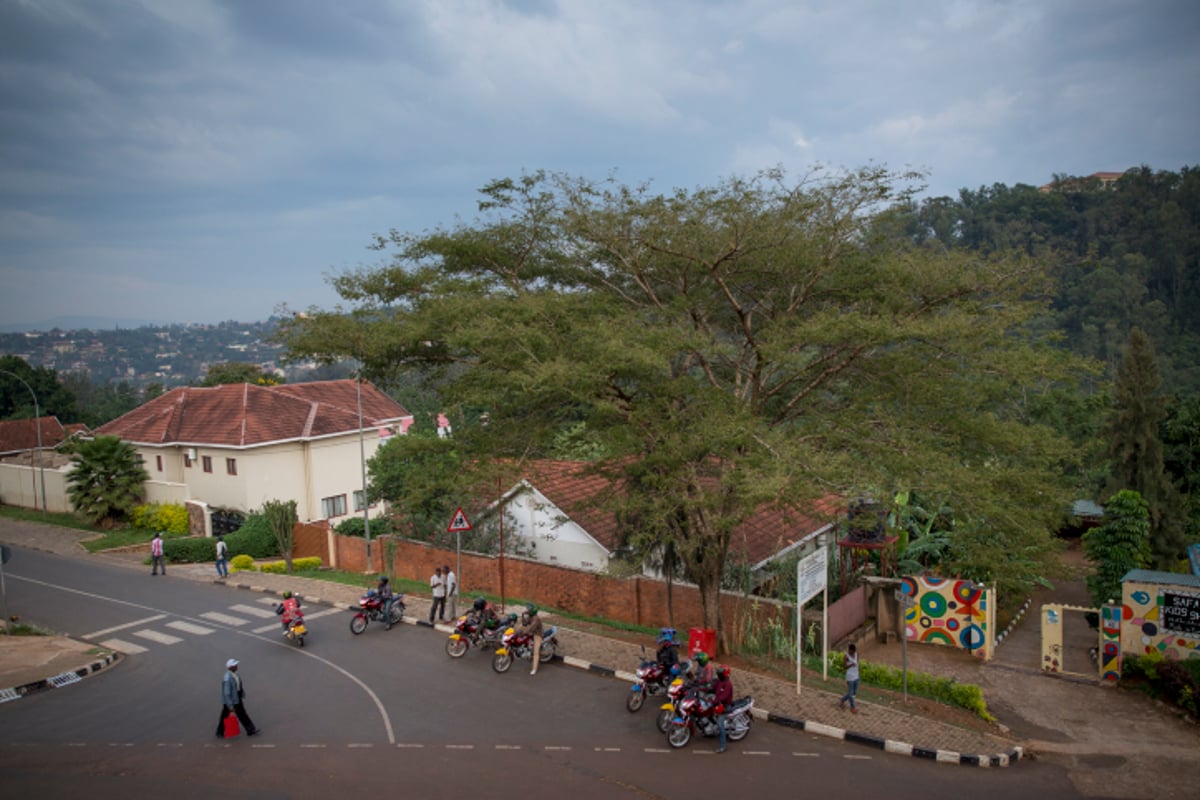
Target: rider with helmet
[384, 590]
[722, 700]
[289, 610]
[531, 623]
[704, 677]
[668, 650]
[482, 615]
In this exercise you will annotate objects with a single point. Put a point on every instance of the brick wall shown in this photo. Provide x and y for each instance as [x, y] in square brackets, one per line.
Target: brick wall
[638, 600]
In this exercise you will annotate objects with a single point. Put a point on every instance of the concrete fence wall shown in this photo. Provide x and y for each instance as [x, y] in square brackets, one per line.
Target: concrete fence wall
[22, 486]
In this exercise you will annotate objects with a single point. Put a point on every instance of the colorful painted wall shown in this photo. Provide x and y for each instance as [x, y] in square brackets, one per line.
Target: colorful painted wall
[1160, 617]
[949, 612]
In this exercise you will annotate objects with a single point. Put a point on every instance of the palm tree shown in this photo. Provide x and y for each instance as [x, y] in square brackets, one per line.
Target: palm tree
[106, 480]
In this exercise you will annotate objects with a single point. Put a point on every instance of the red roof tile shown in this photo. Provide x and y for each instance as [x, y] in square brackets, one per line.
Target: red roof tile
[17, 435]
[244, 414]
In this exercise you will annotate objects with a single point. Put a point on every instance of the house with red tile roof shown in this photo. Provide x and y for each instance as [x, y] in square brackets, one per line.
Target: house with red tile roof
[239, 445]
[556, 507]
[27, 435]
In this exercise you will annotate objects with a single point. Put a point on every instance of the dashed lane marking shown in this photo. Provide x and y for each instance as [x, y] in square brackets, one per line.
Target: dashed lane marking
[460, 747]
[115, 628]
[354, 745]
[654, 750]
[856, 757]
[312, 745]
[608, 749]
[508, 747]
[121, 646]
[188, 627]
[261, 613]
[156, 636]
[169, 744]
[807, 755]
[757, 753]
[409, 746]
[556, 747]
[224, 619]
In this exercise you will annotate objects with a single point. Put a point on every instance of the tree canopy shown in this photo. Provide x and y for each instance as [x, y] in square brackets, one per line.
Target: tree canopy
[754, 342]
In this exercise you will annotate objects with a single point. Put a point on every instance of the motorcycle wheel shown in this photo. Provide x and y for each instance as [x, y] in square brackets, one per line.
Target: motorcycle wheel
[663, 721]
[397, 613]
[635, 700]
[300, 641]
[502, 661]
[679, 735]
[358, 624]
[456, 648]
[738, 733]
[546, 653]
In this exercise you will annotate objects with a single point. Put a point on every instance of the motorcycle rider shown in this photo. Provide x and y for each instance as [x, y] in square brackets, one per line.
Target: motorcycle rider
[704, 677]
[384, 590]
[482, 615]
[531, 623]
[289, 610]
[722, 699]
[668, 650]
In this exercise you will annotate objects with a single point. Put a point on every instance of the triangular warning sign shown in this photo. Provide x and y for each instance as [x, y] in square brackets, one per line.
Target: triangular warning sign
[458, 522]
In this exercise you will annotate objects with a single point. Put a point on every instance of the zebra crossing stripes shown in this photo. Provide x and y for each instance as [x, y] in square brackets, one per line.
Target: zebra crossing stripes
[122, 646]
[224, 619]
[188, 627]
[158, 636]
[261, 613]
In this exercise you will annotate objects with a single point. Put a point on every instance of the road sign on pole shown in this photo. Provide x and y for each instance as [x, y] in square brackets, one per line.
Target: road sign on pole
[459, 523]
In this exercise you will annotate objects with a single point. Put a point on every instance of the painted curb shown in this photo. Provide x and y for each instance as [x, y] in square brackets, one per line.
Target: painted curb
[60, 680]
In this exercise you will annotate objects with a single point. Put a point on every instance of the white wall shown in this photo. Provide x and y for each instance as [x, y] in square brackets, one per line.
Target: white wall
[556, 539]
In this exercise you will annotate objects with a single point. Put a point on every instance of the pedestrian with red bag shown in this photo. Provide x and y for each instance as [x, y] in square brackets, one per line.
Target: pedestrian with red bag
[232, 708]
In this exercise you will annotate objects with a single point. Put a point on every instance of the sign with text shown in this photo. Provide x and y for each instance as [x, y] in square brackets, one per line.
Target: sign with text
[1181, 613]
[811, 572]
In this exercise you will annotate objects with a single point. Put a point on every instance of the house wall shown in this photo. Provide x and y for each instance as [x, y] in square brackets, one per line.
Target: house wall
[553, 537]
[1143, 630]
[637, 600]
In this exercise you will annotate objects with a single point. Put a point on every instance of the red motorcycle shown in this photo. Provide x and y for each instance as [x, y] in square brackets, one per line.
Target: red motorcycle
[515, 645]
[698, 714]
[670, 709]
[370, 608]
[468, 633]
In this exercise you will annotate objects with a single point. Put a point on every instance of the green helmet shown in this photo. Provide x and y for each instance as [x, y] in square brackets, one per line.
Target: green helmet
[287, 594]
[531, 610]
[702, 658]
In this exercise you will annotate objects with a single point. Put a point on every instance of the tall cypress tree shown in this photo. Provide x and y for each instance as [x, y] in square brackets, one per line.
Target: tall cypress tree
[1136, 451]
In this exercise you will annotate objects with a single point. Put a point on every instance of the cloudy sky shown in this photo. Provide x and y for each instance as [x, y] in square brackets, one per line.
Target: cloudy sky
[208, 160]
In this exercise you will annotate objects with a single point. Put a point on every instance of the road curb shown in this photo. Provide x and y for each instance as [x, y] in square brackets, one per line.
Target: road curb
[60, 680]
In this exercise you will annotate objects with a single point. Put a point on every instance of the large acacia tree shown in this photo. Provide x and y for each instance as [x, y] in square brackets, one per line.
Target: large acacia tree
[753, 342]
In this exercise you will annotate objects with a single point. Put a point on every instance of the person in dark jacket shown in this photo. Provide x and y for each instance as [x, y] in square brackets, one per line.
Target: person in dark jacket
[233, 695]
[722, 700]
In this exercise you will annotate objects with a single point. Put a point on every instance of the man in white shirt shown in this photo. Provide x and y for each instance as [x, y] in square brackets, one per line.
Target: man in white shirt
[451, 590]
[437, 587]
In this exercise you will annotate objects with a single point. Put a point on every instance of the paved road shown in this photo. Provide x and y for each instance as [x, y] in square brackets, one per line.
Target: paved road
[386, 710]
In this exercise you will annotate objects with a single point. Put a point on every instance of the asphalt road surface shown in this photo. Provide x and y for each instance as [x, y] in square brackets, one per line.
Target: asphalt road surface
[385, 712]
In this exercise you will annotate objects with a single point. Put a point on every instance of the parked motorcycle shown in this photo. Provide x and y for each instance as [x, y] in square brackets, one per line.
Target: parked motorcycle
[670, 709]
[370, 608]
[698, 714]
[515, 645]
[652, 680]
[484, 637]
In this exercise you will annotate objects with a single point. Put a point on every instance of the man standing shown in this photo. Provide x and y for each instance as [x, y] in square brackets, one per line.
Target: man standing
[232, 697]
[722, 700]
[437, 586]
[156, 554]
[451, 590]
[222, 557]
[531, 623]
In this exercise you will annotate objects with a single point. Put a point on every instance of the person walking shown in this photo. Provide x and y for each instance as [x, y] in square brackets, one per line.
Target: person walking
[222, 557]
[233, 696]
[851, 679]
[156, 554]
[437, 587]
[451, 590]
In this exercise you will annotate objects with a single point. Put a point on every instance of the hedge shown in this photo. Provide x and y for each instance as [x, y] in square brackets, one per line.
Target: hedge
[254, 539]
[947, 690]
[298, 564]
[166, 517]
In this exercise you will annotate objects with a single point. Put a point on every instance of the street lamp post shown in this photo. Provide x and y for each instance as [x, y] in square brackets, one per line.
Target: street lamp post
[37, 423]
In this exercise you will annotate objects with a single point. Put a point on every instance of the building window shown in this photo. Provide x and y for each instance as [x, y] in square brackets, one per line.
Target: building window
[358, 500]
[231, 466]
[333, 506]
[206, 461]
[158, 461]
[187, 460]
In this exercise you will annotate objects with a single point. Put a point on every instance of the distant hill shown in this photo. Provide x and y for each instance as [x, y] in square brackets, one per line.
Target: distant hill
[80, 324]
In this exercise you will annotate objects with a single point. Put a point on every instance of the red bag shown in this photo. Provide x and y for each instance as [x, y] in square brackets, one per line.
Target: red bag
[231, 726]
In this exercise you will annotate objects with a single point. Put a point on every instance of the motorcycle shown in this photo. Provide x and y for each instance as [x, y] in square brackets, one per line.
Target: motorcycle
[669, 710]
[467, 634]
[296, 629]
[698, 714]
[370, 608]
[653, 679]
[515, 645]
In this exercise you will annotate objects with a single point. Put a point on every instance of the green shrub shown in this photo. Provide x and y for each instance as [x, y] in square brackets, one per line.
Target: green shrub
[190, 550]
[354, 526]
[298, 564]
[1176, 682]
[254, 539]
[945, 690]
[242, 563]
[165, 517]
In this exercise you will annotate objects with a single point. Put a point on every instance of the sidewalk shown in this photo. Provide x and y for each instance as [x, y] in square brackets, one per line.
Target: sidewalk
[1113, 743]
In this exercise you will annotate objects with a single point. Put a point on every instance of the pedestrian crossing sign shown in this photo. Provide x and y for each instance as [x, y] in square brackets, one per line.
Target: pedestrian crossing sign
[458, 522]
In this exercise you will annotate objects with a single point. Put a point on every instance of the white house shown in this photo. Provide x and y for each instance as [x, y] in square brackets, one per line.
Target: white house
[239, 445]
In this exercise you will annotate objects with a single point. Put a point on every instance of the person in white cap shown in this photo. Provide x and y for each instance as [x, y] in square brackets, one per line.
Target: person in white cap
[232, 697]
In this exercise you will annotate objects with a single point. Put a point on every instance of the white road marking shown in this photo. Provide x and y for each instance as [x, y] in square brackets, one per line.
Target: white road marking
[263, 746]
[188, 627]
[807, 755]
[608, 749]
[327, 612]
[274, 626]
[224, 619]
[312, 745]
[409, 746]
[556, 747]
[654, 750]
[360, 744]
[116, 628]
[262, 613]
[156, 636]
[757, 753]
[128, 648]
[460, 747]
[508, 747]
[857, 758]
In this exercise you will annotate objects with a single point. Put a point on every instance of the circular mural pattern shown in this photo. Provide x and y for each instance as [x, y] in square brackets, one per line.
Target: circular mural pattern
[971, 637]
[1141, 598]
[1149, 628]
[937, 636]
[933, 604]
[952, 624]
[964, 593]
